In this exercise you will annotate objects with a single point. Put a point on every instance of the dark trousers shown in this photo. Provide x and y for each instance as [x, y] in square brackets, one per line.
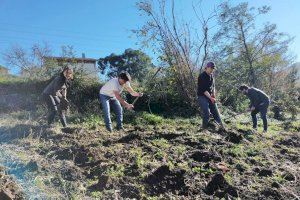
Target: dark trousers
[208, 107]
[262, 109]
[53, 109]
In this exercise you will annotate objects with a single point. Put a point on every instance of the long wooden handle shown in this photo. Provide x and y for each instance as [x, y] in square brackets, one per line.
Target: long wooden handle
[135, 100]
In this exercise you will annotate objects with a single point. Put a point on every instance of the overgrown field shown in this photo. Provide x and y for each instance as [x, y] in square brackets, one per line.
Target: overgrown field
[157, 158]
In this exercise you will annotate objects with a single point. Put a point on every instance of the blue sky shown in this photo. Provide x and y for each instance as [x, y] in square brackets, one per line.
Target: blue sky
[101, 27]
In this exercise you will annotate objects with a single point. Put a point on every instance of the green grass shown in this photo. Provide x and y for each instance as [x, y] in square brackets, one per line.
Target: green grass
[151, 119]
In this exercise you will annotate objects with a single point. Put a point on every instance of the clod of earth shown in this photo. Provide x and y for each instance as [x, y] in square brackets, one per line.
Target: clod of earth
[164, 180]
[205, 156]
[234, 137]
[265, 172]
[220, 187]
[130, 191]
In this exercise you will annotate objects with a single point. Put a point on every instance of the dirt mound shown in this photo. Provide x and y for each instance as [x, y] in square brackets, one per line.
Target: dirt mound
[219, 187]
[234, 137]
[167, 136]
[83, 156]
[293, 141]
[205, 156]
[129, 138]
[164, 180]
[130, 191]
[271, 193]
[264, 172]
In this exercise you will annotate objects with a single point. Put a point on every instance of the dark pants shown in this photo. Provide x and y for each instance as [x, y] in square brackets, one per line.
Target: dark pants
[208, 107]
[53, 109]
[106, 101]
[262, 109]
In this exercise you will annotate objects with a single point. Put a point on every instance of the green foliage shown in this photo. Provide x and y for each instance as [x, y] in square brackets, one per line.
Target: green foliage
[136, 62]
[151, 118]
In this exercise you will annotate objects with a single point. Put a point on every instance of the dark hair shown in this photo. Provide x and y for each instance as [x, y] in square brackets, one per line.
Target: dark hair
[243, 87]
[67, 68]
[67, 82]
[125, 76]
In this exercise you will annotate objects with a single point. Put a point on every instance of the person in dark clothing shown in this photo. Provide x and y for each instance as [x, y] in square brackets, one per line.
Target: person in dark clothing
[259, 103]
[206, 96]
[55, 96]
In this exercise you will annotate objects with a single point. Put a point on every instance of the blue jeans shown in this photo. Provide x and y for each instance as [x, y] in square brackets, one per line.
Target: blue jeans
[208, 107]
[262, 109]
[106, 101]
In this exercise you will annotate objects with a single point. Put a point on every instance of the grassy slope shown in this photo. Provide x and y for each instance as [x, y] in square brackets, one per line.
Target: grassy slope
[159, 158]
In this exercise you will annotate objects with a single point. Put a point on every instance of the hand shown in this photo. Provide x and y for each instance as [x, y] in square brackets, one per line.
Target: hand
[129, 106]
[141, 94]
[213, 100]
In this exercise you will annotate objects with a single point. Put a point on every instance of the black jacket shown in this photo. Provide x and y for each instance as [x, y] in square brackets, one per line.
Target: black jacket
[205, 83]
[257, 97]
[56, 86]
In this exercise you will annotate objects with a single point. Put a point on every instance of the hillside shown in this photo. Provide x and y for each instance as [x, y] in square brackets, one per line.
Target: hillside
[156, 158]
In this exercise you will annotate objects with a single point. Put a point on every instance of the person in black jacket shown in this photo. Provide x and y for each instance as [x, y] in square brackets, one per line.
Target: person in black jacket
[55, 95]
[259, 102]
[206, 96]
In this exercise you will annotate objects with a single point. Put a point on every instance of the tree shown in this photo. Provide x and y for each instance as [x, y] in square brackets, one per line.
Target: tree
[247, 53]
[135, 62]
[182, 47]
[250, 51]
[29, 62]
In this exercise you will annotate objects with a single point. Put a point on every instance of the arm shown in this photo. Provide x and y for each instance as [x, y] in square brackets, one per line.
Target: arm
[122, 101]
[132, 92]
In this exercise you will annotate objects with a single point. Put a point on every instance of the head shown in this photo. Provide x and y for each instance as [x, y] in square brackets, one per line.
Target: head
[124, 77]
[210, 67]
[244, 88]
[68, 73]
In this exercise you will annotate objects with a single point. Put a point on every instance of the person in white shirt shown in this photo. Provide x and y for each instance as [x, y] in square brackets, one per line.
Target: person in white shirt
[110, 94]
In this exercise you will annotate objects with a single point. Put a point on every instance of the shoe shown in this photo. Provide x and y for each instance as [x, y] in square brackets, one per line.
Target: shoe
[121, 128]
[109, 130]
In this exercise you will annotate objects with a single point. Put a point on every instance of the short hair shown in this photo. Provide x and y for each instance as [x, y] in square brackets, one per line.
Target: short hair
[243, 87]
[125, 76]
[66, 68]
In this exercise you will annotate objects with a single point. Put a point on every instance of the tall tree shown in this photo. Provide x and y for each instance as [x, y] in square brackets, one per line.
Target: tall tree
[250, 50]
[182, 47]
